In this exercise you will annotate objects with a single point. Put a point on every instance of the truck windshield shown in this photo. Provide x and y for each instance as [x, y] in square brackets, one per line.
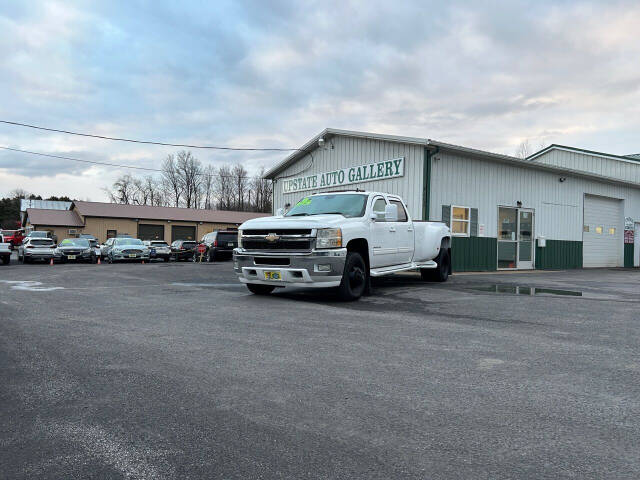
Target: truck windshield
[348, 205]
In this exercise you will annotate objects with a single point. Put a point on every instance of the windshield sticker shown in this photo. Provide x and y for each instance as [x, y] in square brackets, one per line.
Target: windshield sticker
[304, 201]
[66, 241]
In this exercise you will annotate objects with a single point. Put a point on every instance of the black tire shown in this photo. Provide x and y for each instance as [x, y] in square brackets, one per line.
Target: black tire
[260, 289]
[166, 259]
[211, 257]
[6, 259]
[354, 278]
[441, 272]
[94, 259]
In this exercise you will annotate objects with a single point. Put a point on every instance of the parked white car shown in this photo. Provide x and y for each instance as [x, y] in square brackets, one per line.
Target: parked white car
[340, 239]
[158, 249]
[37, 248]
[5, 251]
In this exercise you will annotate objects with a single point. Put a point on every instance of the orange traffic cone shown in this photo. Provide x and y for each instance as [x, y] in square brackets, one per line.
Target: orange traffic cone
[143, 262]
[99, 261]
[51, 262]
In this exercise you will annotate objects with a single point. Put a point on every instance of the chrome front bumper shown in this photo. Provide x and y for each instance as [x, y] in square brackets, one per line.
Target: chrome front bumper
[318, 268]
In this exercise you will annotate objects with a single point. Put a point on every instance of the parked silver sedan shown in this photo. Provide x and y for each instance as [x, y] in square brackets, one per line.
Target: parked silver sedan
[123, 249]
[37, 248]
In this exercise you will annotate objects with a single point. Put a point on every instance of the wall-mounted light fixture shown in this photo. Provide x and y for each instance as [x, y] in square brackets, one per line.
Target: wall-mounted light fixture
[562, 179]
[519, 204]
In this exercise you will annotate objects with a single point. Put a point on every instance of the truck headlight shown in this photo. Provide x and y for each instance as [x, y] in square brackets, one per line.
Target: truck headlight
[239, 238]
[329, 238]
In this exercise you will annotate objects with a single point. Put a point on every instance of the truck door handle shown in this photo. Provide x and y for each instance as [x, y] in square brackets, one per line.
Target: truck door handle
[392, 229]
[409, 229]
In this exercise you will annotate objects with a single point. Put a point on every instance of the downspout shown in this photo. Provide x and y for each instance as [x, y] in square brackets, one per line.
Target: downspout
[426, 181]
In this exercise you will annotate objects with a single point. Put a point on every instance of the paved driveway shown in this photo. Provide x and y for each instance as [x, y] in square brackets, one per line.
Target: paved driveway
[176, 371]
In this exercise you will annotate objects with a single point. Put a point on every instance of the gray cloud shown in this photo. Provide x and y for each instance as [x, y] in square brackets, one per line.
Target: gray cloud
[274, 73]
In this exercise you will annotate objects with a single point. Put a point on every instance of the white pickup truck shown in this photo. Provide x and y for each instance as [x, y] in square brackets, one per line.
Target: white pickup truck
[339, 239]
[5, 251]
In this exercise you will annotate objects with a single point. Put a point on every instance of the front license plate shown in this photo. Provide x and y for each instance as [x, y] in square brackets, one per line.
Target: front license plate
[71, 257]
[132, 255]
[272, 275]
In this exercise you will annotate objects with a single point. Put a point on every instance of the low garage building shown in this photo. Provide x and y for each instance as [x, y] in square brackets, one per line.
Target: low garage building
[106, 220]
[562, 207]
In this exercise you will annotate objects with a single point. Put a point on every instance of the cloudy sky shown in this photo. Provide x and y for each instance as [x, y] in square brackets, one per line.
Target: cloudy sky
[275, 73]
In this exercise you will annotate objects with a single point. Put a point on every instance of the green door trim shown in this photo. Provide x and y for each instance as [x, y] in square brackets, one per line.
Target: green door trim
[426, 181]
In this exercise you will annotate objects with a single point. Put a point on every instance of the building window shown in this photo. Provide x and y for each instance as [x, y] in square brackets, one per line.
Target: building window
[612, 231]
[112, 233]
[460, 220]
[599, 230]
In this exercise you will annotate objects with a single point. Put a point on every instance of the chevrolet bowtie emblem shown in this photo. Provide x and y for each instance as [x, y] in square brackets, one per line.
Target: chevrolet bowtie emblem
[272, 237]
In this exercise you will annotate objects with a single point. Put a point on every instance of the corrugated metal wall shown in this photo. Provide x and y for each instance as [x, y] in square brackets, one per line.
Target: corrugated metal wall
[483, 184]
[628, 170]
[349, 152]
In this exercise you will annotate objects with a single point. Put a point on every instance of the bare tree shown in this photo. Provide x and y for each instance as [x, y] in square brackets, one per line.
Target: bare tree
[524, 149]
[260, 192]
[154, 191]
[189, 171]
[223, 188]
[208, 186]
[171, 180]
[123, 190]
[19, 193]
[239, 175]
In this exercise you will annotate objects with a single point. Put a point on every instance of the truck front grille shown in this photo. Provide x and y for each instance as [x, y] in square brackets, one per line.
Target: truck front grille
[262, 244]
[278, 239]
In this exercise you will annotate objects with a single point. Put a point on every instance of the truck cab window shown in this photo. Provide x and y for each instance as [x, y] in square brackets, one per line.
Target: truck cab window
[402, 213]
[379, 205]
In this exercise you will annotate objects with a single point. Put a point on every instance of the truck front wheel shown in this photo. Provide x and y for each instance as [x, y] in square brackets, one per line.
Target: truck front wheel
[354, 277]
[260, 289]
[441, 272]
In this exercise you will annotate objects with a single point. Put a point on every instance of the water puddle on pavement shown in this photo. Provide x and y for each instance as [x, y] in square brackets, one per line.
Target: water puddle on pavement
[525, 290]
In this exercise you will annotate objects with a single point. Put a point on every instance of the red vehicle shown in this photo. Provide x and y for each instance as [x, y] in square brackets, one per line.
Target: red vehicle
[14, 237]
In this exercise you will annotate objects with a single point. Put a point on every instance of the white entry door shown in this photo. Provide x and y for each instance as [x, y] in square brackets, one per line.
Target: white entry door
[636, 246]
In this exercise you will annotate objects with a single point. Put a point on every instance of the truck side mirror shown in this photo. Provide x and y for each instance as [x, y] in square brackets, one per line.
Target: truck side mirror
[391, 213]
[280, 212]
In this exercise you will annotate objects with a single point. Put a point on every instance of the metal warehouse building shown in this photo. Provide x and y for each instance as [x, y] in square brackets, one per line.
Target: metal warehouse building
[106, 220]
[560, 208]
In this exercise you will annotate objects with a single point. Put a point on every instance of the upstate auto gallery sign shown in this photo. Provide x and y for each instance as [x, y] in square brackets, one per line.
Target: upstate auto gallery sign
[363, 173]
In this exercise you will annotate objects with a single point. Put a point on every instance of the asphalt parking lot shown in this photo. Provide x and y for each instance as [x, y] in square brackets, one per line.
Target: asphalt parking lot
[176, 371]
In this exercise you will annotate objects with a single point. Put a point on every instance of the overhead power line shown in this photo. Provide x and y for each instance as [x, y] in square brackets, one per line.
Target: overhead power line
[150, 142]
[118, 165]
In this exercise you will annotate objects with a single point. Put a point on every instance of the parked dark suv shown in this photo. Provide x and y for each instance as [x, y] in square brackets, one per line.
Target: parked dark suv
[220, 244]
[183, 249]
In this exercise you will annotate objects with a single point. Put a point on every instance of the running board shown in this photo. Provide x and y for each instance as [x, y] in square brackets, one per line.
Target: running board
[379, 272]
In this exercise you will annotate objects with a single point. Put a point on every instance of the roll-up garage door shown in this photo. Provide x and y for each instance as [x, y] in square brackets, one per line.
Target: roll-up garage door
[150, 232]
[603, 232]
[181, 232]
